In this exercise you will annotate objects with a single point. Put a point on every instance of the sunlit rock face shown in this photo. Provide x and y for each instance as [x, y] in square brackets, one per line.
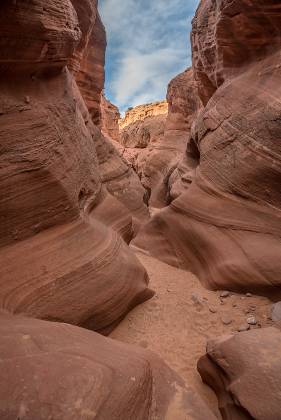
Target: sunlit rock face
[141, 112]
[59, 259]
[226, 226]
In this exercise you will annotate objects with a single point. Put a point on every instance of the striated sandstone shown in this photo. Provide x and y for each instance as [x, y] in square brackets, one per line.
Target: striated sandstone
[117, 177]
[58, 371]
[58, 259]
[110, 116]
[244, 371]
[226, 226]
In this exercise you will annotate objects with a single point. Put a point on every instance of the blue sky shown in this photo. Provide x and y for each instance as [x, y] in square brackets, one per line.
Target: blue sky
[148, 44]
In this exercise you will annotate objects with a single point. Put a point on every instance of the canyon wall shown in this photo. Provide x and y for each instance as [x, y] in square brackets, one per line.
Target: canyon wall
[110, 117]
[60, 260]
[226, 226]
[117, 177]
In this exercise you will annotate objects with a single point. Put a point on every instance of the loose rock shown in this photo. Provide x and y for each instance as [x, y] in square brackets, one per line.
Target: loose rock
[252, 320]
[276, 312]
[244, 327]
[224, 294]
[226, 320]
[212, 309]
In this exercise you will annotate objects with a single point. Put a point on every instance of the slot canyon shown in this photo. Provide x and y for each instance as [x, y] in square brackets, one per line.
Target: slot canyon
[140, 252]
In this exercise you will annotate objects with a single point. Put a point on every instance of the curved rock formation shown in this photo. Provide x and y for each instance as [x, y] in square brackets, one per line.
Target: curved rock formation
[85, 376]
[117, 177]
[184, 105]
[244, 371]
[58, 261]
[226, 227]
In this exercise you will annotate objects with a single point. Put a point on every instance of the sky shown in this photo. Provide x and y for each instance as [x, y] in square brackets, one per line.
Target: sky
[147, 45]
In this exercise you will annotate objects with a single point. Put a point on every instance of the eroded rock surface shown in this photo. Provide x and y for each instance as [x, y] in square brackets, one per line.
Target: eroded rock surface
[117, 176]
[59, 259]
[110, 117]
[58, 371]
[244, 371]
[226, 227]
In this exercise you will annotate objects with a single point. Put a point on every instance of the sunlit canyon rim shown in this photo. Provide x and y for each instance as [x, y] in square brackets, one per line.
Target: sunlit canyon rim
[140, 257]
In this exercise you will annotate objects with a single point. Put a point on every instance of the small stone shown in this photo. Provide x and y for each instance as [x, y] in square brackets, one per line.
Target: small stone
[224, 294]
[226, 320]
[196, 299]
[244, 327]
[169, 290]
[212, 309]
[252, 320]
[243, 297]
[234, 305]
[276, 312]
[249, 295]
[27, 99]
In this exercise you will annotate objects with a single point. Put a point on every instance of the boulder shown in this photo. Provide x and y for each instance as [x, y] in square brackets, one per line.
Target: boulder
[244, 371]
[60, 372]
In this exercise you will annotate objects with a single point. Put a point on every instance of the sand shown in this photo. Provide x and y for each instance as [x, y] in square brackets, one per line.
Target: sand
[177, 322]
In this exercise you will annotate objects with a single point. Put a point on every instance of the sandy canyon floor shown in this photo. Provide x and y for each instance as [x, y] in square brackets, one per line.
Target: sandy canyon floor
[177, 322]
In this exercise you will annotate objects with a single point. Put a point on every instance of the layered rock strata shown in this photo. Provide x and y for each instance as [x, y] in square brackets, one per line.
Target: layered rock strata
[59, 260]
[226, 227]
[244, 371]
[117, 177]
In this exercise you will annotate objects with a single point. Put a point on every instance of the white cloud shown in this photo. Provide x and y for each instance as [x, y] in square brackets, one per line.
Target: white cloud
[147, 45]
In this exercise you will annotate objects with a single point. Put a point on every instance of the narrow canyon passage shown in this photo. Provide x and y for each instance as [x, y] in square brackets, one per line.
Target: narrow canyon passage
[140, 210]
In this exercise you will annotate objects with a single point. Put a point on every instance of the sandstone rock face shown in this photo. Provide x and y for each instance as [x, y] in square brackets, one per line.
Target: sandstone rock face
[244, 371]
[226, 227]
[58, 259]
[110, 117]
[184, 105]
[117, 177]
[229, 35]
[141, 112]
[86, 376]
